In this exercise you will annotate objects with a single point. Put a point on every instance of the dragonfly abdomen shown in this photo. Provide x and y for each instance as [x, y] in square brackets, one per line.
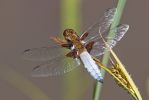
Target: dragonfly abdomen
[91, 66]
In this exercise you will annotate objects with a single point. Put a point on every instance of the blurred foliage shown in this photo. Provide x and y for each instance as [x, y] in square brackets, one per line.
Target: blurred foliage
[21, 83]
[71, 18]
[147, 87]
[71, 14]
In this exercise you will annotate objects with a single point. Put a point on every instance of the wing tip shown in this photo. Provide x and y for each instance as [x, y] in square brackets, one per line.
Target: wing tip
[26, 50]
[111, 10]
[125, 26]
[36, 72]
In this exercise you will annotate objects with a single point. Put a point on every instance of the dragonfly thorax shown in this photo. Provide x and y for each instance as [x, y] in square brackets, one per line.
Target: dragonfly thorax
[71, 36]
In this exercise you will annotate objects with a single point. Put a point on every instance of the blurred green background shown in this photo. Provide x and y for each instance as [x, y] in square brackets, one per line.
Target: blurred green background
[29, 23]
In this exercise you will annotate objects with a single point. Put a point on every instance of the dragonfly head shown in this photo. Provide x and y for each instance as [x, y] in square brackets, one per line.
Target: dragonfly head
[70, 35]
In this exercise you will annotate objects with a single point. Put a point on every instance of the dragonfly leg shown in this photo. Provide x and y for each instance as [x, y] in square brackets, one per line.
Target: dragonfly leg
[89, 46]
[84, 35]
[72, 54]
[61, 42]
[58, 40]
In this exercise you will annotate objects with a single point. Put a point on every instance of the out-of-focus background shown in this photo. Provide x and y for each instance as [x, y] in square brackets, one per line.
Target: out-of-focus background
[29, 23]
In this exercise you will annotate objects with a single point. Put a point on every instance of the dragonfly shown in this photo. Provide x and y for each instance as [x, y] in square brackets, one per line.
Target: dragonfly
[74, 50]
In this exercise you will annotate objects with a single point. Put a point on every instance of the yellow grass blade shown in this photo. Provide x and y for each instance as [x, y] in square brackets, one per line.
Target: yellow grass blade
[121, 76]
[136, 94]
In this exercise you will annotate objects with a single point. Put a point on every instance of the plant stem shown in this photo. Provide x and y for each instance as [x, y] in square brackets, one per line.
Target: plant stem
[117, 17]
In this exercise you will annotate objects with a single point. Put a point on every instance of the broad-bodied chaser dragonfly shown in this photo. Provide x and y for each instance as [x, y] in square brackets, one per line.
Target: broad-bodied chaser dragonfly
[81, 49]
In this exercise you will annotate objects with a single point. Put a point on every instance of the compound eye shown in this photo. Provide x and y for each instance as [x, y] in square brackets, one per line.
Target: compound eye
[71, 31]
[66, 33]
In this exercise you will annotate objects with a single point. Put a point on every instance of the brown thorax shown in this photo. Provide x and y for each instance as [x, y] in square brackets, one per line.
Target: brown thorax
[74, 42]
[71, 36]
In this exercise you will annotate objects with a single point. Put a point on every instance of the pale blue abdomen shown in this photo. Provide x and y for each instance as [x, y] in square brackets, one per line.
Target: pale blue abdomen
[91, 66]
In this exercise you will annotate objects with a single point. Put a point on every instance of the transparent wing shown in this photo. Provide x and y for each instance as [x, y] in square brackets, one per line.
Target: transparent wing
[103, 25]
[56, 66]
[43, 53]
[47, 53]
[99, 46]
